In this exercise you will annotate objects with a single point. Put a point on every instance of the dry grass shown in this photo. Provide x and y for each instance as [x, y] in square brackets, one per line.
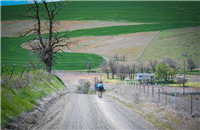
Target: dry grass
[131, 45]
[161, 116]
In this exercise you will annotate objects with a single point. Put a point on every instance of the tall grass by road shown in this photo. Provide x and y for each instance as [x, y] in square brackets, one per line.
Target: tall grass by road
[20, 95]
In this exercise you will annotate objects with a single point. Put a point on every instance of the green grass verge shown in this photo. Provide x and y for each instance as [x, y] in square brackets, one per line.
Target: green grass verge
[17, 97]
[12, 53]
[193, 72]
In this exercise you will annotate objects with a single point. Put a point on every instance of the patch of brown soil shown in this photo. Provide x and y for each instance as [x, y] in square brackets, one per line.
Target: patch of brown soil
[131, 45]
[4, 22]
[10, 28]
[75, 25]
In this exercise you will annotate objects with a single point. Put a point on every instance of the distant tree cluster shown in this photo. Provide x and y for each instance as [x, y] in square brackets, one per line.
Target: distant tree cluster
[190, 64]
[166, 69]
[119, 58]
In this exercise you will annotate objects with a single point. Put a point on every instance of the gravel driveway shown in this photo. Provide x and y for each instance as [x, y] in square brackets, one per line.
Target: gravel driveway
[79, 111]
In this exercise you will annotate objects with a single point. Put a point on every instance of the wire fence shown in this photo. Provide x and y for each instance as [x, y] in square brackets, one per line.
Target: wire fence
[186, 101]
[23, 70]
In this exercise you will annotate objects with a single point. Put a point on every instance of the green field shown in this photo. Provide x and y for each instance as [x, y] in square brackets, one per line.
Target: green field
[173, 14]
[128, 11]
[127, 29]
[12, 53]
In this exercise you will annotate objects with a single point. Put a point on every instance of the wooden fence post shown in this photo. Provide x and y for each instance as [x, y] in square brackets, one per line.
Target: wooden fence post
[12, 71]
[191, 100]
[158, 93]
[2, 69]
[148, 90]
[175, 99]
[28, 70]
[166, 98]
[22, 71]
[152, 91]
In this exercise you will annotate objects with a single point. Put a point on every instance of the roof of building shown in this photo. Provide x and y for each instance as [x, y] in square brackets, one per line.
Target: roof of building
[145, 74]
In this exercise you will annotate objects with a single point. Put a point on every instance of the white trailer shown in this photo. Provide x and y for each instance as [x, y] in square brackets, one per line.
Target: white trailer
[142, 75]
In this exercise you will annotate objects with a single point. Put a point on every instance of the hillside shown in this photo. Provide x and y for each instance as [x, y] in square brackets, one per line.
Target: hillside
[179, 44]
[20, 95]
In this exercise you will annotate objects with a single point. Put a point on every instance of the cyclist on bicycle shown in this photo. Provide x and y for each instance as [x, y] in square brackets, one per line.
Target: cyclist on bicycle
[100, 87]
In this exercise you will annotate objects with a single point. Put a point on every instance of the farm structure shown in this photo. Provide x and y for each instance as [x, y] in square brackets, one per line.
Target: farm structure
[140, 76]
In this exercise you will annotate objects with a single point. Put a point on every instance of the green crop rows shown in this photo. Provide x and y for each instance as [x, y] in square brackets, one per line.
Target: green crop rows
[12, 53]
[128, 11]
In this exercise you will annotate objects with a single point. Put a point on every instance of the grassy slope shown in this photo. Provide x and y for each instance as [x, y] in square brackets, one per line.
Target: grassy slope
[23, 94]
[12, 53]
[174, 43]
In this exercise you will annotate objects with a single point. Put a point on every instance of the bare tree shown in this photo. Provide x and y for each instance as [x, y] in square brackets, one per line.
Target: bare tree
[131, 70]
[113, 66]
[49, 45]
[123, 57]
[146, 69]
[122, 72]
[170, 63]
[105, 68]
[190, 64]
[140, 66]
[181, 80]
[89, 67]
[116, 57]
[152, 64]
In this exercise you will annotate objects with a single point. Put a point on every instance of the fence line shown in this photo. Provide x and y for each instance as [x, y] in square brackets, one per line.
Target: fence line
[167, 96]
[19, 70]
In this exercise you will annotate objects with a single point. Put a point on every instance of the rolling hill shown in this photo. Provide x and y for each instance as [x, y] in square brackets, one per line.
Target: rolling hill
[140, 30]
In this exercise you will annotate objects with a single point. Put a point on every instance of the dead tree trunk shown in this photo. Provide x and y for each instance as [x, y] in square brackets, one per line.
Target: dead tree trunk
[49, 46]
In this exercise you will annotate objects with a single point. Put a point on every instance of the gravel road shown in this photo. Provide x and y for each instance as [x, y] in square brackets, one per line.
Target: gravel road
[79, 111]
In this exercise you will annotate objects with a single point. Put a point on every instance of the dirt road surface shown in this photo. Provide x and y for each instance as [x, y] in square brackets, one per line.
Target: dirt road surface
[80, 111]
[84, 111]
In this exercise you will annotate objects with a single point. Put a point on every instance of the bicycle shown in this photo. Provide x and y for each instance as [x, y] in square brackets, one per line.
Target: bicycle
[100, 95]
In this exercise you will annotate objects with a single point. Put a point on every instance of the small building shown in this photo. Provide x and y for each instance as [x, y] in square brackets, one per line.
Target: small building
[141, 75]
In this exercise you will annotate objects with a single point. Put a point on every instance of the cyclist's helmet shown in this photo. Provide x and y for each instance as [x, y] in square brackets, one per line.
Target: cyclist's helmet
[100, 82]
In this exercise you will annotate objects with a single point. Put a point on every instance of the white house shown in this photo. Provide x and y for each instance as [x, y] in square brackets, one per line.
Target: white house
[140, 75]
